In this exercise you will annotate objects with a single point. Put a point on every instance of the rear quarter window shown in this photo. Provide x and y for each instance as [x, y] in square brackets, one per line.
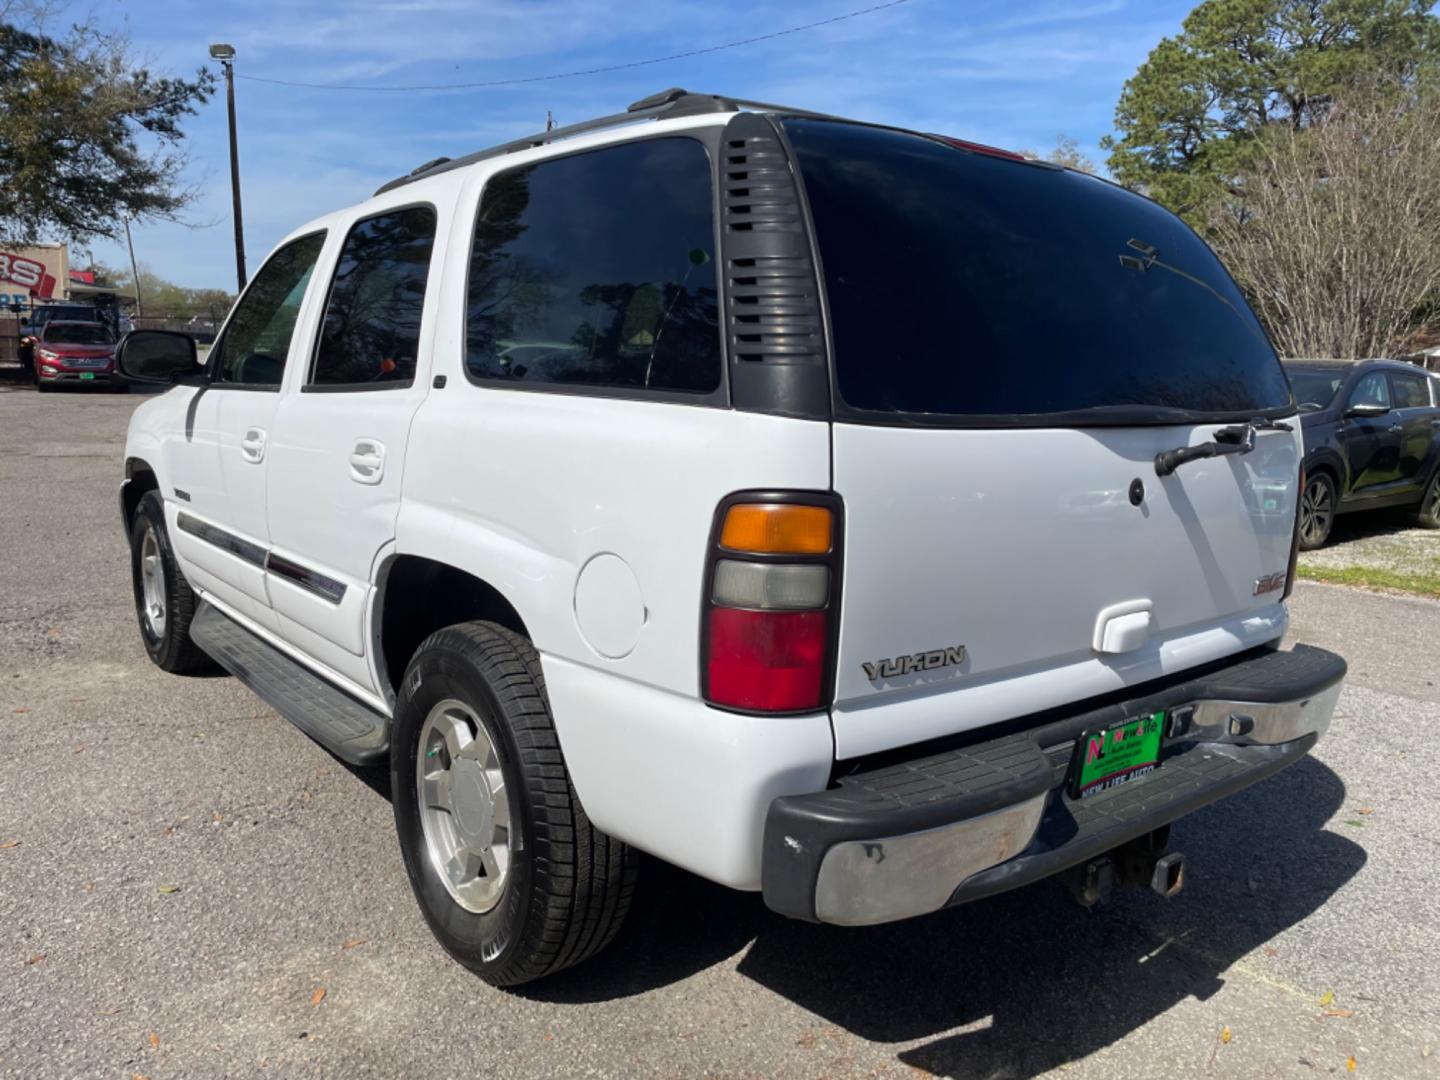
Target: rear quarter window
[962, 285]
[597, 270]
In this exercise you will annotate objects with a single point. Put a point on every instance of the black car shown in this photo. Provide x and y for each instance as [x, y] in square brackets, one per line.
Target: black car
[1372, 431]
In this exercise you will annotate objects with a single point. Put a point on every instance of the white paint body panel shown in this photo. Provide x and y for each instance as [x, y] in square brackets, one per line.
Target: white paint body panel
[1013, 542]
[676, 778]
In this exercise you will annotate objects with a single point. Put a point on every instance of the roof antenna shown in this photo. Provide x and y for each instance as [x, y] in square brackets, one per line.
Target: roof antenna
[549, 120]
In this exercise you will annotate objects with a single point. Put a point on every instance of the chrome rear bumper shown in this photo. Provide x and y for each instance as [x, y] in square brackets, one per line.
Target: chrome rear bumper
[911, 837]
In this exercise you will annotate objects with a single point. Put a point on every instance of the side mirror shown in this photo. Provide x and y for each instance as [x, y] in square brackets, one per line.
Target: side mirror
[156, 356]
[1366, 409]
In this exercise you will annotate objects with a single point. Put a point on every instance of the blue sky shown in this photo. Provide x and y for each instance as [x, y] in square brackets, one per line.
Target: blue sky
[1009, 72]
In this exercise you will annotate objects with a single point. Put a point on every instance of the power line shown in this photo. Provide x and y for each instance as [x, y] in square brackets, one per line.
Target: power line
[588, 71]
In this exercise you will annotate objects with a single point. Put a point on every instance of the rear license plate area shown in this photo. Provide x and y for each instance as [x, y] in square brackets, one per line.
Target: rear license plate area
[1106, 757]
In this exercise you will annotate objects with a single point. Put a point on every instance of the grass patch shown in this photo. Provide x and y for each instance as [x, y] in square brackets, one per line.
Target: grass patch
[1371, 577]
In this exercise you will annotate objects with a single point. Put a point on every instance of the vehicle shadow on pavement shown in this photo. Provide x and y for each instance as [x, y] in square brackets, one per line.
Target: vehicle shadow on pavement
[1031, 979]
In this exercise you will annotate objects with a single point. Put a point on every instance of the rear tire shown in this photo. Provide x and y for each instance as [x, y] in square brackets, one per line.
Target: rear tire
[1427, 514]
[1317, 511]
[545, 890]
[164, 601]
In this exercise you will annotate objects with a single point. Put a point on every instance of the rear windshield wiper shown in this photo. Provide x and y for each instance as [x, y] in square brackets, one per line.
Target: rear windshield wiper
[1236, 439]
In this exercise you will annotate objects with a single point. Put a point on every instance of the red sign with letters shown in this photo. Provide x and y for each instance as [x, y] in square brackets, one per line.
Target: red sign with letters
[26, 273]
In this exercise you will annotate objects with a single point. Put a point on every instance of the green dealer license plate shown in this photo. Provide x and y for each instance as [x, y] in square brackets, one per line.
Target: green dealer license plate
[87, 375]
[1108, 757]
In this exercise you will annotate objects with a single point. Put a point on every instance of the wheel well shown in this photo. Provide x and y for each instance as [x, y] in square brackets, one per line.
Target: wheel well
[1329, 470]
[419, 596]
[142, 479]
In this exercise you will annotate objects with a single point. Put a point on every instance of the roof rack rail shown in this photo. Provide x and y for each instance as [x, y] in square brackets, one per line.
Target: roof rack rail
[667, 104]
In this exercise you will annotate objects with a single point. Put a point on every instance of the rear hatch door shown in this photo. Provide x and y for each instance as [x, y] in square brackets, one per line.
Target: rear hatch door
[1014, 345]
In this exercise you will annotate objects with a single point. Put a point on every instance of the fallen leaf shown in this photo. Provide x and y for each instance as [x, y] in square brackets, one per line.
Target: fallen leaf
[1225, 1034]
[1351, 1064]
[350, 943]
[9, 844]
[549, 1036]
[77, 749]
[35, 959]
[1270, 950]
[21, 712]
[138, 1076]
[1365, 810]
[1342, 1013]
[318, 996]
[154, 1040]
[217, 816]
[168, 889]
[169, 831]
[1355, 823]
[1327, 998]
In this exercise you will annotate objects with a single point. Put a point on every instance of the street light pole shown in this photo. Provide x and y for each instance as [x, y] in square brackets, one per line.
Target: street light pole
[134, 271]
[226, 55]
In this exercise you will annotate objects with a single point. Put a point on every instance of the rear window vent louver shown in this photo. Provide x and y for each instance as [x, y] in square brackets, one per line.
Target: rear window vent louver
[772, 306]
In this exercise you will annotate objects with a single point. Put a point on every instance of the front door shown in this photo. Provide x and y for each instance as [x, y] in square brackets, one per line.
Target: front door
[1372, 443]
[337, 446]
[219, 529]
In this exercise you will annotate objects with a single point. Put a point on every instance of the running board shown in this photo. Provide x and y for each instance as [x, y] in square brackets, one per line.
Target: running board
[351, 731]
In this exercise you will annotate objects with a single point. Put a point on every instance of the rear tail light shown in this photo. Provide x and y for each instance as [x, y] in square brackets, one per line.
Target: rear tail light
[1295, 538]
[772, 603]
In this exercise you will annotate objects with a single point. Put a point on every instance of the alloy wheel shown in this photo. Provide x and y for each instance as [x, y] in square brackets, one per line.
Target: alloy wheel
[152, 583]
[1316, 512]
[464, 805]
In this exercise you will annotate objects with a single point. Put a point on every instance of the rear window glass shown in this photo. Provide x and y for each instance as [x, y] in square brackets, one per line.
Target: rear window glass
[1411, 391]
[964, 285]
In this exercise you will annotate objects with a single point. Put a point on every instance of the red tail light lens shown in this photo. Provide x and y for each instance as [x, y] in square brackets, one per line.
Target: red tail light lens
[771, 661]
[771, 603]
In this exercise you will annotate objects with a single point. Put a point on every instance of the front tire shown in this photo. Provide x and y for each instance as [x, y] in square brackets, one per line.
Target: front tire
[1317, 511]
[512, 878]
[164, 601]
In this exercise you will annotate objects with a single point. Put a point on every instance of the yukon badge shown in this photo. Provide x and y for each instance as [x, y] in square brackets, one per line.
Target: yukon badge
[920, 661]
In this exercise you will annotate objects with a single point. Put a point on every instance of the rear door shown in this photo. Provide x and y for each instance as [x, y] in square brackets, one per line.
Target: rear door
[1013, 347]
[1410, 393]
[337, 448]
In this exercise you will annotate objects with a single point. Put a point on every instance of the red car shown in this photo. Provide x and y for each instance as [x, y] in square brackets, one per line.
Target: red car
[75, 353]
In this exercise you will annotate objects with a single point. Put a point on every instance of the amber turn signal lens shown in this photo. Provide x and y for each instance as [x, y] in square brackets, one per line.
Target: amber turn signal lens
[777, 529]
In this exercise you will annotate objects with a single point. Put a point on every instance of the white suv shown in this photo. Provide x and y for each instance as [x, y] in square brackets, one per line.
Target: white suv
[865, 517]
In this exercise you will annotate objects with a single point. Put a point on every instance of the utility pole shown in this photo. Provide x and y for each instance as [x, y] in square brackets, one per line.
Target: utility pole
[226, 55]
[134, 271]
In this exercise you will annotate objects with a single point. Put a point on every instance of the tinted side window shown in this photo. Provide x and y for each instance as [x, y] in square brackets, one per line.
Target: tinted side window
[371, 332]
[1371, 390]
[598, 270]
[253, 349]
[1410, 390]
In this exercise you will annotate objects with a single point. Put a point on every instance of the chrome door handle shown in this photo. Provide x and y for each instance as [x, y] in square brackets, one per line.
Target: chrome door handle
[252, 446]
[367, 461]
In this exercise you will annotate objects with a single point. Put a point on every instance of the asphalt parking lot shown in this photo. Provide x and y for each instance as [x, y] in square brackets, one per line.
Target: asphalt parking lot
[191, 888]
